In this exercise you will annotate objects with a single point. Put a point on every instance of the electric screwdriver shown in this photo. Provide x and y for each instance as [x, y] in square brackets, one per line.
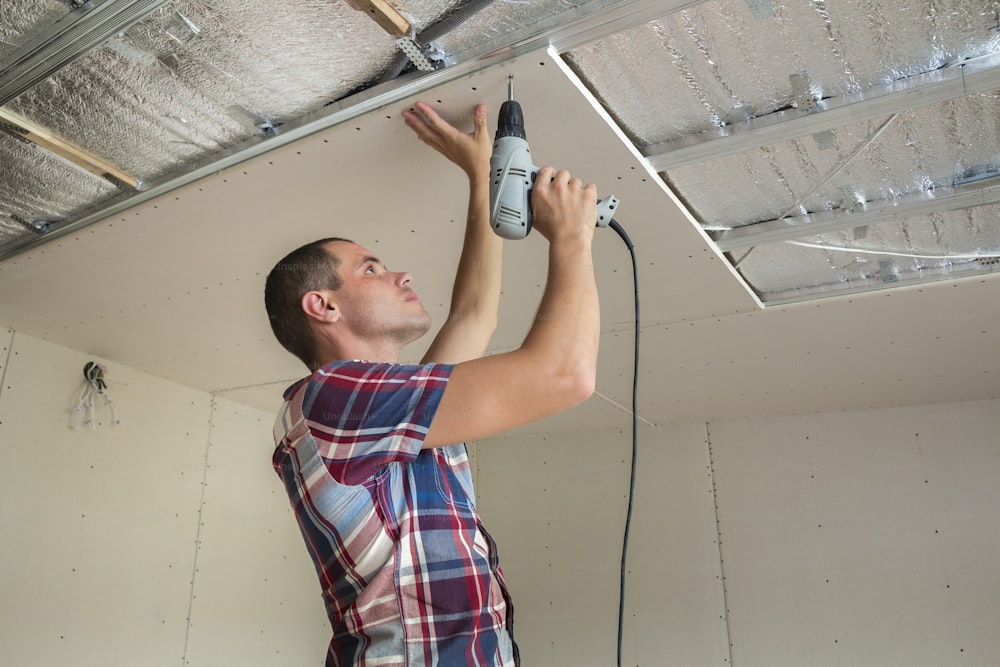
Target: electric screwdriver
[512, 175]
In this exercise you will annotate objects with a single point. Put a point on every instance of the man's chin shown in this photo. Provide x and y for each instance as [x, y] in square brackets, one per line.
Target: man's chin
[426, 327]
[419, 330]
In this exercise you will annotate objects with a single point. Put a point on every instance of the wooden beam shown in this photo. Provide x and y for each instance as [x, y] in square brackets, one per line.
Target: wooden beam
[385, 15]
[42, 138]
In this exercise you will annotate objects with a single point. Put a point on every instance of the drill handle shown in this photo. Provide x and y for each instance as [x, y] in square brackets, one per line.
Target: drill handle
[606, 210]
[512, 179]
[605, 207]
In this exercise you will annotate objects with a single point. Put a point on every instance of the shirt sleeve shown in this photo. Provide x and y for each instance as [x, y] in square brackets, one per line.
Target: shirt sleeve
[364, 415]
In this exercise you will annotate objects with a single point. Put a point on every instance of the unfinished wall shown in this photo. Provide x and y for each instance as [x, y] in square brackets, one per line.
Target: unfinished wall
[856, 538]
[860, 538]
[556, 505]
[114, 537]
[256, 599]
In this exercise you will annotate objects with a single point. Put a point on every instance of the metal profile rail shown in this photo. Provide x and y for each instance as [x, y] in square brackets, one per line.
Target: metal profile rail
[976, 75]
[66, 39]
[980, 193]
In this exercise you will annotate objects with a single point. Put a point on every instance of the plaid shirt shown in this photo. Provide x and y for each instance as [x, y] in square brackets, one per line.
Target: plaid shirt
[409, 574]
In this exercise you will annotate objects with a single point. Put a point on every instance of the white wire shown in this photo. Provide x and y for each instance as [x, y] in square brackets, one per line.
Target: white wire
[85, 405]
[894, 254]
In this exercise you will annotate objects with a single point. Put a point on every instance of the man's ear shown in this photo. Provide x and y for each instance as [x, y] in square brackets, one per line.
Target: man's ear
[318, 306]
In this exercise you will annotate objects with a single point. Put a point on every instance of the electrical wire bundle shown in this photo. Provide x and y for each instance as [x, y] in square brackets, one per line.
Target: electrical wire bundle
[94, 385]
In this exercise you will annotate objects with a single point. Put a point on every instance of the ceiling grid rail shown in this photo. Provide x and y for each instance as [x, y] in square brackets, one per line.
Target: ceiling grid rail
[977, 75]
[939, 199]
[69, 37]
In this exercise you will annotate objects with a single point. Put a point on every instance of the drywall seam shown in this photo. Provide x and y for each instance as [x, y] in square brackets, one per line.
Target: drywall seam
[6, 361]
[718, 542]
[269, 383]
[627, 410]
[197, 535]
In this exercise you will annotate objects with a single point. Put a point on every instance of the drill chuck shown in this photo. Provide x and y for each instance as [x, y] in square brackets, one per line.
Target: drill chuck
[511, 121]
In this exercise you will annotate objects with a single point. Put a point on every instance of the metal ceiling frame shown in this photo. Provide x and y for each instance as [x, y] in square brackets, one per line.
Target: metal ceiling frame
[976, 75]
[569, 29]
[66, 39]
[972, 195]
[965, 269]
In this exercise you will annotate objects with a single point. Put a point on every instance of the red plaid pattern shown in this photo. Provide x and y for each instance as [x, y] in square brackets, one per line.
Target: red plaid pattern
[409, 574]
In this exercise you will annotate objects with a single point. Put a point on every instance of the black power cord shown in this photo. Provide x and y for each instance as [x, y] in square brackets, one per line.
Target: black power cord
[635, 431]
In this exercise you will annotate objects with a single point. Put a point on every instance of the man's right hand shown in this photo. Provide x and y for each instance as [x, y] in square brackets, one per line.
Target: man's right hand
[562, 206]
[555, 368]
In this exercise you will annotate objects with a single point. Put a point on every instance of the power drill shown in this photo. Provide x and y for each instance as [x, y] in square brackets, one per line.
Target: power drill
[512, 174]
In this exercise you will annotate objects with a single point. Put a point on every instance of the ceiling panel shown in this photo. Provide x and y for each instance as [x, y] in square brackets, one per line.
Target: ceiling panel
[234, 130]
[174, 286]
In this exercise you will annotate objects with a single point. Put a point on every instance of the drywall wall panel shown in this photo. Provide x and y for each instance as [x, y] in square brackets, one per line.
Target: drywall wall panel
[257, 600]
[98, 525]
[556, 505]
[675, 610]
[862, 538]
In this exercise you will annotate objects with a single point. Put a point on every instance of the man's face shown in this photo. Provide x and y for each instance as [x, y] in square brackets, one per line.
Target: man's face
[376, 302]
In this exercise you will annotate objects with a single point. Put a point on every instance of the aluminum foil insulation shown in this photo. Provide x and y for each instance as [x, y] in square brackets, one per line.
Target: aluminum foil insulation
[915, 151]
[503, 18]
[724, 63]
[195, 77]
[37, 188]
[20, 17]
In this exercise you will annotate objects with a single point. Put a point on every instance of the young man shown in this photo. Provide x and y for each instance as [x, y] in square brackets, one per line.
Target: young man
[371, 451]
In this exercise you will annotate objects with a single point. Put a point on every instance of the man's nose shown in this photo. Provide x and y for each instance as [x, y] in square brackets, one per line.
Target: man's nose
[403, 278]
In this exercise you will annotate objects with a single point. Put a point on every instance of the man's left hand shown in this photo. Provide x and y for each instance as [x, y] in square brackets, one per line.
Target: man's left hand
[470, 151]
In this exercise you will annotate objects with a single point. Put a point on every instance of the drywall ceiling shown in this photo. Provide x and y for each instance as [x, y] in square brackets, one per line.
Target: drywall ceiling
[858, 140]
[173, 286]
[884, 145]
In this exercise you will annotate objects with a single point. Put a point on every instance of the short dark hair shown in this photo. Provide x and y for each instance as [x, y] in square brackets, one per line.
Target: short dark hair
[307, 268]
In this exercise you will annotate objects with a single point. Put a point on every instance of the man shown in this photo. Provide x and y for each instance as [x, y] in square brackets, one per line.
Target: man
[370, 451]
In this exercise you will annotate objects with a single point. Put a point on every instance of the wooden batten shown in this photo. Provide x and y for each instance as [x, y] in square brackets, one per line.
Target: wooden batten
[387, 16]
[42, 138]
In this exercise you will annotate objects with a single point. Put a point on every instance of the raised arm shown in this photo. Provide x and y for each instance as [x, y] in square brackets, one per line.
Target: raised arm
[555, 368]
[475, 297]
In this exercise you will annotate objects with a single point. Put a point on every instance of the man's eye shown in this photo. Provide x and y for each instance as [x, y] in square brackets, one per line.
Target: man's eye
[370, 269]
